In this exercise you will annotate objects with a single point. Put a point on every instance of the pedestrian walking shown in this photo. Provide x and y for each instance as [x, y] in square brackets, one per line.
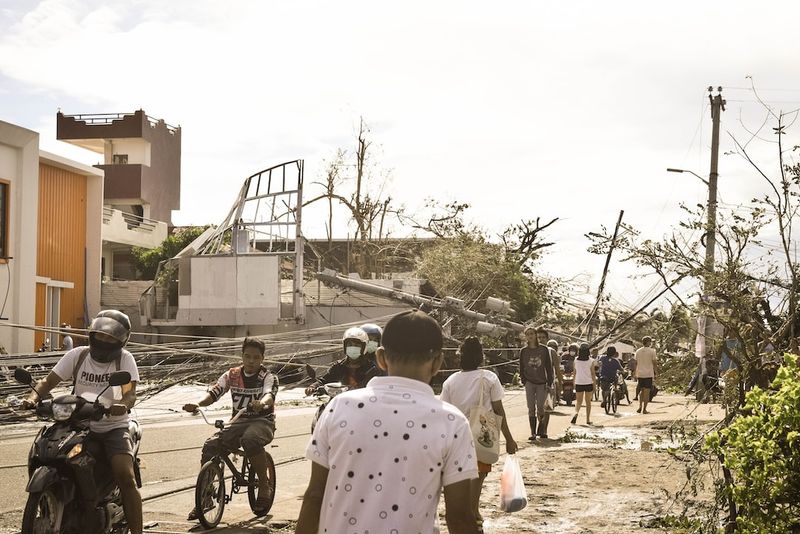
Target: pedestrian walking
[463, 390]
[645, 372]
[536, 372]
[585, 382]
[381, 455]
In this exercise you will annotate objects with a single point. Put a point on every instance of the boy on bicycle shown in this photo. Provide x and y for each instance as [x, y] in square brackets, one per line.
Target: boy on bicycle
[609, 366]
[253, 387]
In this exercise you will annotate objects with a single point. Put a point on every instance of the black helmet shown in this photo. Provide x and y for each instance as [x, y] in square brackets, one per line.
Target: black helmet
[112, 323]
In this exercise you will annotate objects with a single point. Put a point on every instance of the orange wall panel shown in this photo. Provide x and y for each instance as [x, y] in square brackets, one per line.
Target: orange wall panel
[62, 238]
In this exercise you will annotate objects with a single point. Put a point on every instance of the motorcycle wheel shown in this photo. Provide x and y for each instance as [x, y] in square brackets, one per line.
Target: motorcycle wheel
[252, 485]
[607, 401]
[43, 513]
[614, 401]
[209, 494]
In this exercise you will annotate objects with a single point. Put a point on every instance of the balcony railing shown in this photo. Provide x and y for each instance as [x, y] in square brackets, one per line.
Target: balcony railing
[127, 228]
[108, 118]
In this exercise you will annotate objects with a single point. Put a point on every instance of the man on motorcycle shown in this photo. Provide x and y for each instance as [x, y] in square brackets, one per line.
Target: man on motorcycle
[108, 334]
[355, 369]
[375, 333]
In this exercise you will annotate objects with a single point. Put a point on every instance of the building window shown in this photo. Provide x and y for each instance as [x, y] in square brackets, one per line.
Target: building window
[120, 159]
[4, 219]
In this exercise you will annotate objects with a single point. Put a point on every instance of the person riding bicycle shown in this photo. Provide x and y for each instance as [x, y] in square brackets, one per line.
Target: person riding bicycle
[355, 369]
[253, 387]
[609, 366]
[89, 369]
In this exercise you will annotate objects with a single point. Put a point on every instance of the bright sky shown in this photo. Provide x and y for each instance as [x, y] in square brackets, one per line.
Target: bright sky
[523, 109]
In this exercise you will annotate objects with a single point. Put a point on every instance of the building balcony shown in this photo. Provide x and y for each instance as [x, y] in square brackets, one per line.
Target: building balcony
[124, 181]
[129, 229]
[89, 130]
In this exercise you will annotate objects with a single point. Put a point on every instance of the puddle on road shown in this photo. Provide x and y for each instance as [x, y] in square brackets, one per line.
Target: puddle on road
[630, 438]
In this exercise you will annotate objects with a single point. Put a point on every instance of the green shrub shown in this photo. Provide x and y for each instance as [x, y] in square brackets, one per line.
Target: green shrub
[761, 448]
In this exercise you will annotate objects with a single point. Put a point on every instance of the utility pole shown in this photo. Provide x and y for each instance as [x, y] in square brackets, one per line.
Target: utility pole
[706, 320]
[717, 106]
[603, 278]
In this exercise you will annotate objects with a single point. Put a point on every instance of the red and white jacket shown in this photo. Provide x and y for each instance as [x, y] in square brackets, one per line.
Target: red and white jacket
[246, 389]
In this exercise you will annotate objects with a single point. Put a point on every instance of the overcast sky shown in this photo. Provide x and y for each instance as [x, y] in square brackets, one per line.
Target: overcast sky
[523, 109]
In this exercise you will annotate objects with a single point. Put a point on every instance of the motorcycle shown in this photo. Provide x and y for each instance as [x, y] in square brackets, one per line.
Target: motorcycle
[325, 393]
[568, 387]
[66, 493]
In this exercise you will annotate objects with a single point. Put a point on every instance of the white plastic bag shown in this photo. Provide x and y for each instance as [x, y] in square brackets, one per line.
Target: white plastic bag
[513, 497]
[549, 400]
[485, 426]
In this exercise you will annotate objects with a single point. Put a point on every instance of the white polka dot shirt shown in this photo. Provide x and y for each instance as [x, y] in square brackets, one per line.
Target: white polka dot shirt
[389, 449]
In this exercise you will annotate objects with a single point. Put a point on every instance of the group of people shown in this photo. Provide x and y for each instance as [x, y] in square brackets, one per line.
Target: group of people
[540, 366]
[381, 453]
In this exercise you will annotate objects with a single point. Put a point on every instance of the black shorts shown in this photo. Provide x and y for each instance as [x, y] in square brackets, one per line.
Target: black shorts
[645, 383]
[586, 388]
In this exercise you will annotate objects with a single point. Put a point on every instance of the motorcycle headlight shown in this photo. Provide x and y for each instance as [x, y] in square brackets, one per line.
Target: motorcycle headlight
[75, 451]
[62, 412]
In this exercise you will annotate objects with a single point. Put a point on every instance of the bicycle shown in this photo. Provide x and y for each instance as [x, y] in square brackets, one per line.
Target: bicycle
[621, 389]
[610, 400]
[210, 495]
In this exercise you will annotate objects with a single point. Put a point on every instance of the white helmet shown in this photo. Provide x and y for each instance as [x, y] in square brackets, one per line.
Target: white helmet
[360, 337]
[356, 333]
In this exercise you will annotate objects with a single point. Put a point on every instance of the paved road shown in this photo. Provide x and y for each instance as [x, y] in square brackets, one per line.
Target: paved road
[182, 435]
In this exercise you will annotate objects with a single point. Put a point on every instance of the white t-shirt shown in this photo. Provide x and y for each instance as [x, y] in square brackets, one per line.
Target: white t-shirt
[389, 449]
[463, 389]
[645, 362]
[93, 378]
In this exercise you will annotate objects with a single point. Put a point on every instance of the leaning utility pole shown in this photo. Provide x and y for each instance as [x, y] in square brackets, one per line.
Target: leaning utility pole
[603, 278]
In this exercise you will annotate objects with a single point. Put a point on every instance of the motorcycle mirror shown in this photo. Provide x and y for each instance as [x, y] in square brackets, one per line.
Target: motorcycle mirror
[312, 374]
[22, 376]
[119, 378]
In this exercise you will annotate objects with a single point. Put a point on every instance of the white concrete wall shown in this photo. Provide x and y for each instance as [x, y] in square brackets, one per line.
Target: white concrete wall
[258, 289]
[19, 165]
[232, 290]
[94, 241]
[138, 150]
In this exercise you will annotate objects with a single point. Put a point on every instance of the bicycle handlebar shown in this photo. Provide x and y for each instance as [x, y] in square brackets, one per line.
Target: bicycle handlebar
[230, 422]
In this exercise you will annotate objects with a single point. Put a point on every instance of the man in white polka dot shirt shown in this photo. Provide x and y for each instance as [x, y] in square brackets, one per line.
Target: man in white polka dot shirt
[381, 455]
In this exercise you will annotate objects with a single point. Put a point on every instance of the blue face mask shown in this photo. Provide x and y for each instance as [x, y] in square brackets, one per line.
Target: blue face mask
[353, 353]
[372, 346]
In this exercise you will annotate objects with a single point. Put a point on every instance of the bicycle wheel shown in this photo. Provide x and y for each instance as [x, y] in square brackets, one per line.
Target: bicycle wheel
[607, 400]
[209, 494]
[614, 400]
[252, 486]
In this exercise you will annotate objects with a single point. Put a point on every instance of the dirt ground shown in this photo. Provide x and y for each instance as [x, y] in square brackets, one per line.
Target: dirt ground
[608, 480]
[613, 476]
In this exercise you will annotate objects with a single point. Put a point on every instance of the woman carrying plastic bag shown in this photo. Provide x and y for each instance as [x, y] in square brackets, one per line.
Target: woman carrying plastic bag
[513, 497]
[473, 388]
